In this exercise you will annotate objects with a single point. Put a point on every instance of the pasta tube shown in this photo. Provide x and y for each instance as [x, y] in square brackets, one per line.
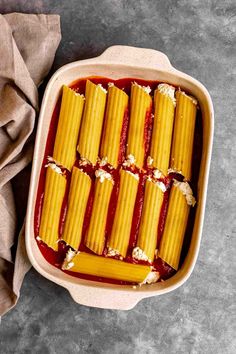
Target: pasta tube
[164, 106]
[95, 237]
[147, 237]
[90, 264]
[117, 102]
[55, 187]
[140, 104]
[119, 238]
[182, 145]
[77, 202]
[68, 127]
[176, 221]
[91, 127]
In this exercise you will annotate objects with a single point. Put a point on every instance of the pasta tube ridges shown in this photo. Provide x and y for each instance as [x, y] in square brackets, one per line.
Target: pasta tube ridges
[91, 127]
[95, 236]
[68, 127]
[55, 187]
[140, 106]
[77, 202]
[117, 102]
[164, 105]
[118, 241]
[182, 145]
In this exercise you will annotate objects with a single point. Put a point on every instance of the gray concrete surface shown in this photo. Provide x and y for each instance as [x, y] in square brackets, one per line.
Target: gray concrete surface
[200, 317]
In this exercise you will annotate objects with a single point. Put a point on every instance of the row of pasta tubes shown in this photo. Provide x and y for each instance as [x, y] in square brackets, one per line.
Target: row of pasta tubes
[92, 126]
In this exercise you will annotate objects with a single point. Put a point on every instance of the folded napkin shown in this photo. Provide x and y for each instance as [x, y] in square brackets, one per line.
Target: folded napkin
[27, 48]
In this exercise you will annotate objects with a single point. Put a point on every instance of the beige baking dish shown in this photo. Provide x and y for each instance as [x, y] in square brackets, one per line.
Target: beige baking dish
[119, 62]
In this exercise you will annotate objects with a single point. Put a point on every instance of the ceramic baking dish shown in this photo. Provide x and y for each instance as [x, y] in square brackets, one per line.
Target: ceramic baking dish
[119, 62]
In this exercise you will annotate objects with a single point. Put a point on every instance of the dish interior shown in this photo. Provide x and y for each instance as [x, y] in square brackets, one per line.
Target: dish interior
[47, 144]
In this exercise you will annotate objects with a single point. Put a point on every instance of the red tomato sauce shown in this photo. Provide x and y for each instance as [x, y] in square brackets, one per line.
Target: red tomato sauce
[56, 258]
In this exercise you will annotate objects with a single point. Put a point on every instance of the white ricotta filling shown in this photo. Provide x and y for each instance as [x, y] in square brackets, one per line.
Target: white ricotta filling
[110, 84]
[167, 90]
[103, 161]
[159, 184]
[146, 89]
[150, 161]
[129, 161]
[70, 255]
[84, 162]
[174, 170]
[157, 173]
[102, 175]
[111, 252]
[193, 99]
[135, 175]
[151, 278]
[185, 188]
[51, 159]
[54, 167]
[102, 88]
[68, 264]
[79, 94]
[139, 254]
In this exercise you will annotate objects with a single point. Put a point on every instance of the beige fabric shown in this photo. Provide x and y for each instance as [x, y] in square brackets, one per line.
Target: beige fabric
[27, 48]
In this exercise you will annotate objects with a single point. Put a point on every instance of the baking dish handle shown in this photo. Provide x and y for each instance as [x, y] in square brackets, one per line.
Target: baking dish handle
[149, 58]
[104, 298]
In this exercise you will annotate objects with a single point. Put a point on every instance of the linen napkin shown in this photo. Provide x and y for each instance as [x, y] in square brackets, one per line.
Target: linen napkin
[27, 48]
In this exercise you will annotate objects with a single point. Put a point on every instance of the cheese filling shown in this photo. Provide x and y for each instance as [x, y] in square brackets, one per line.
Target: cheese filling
[157, 174]
[68, 264]
[167, 90]
[135, 175]
[103, 161]
[159, 184]
[151, 278]
[130, 161]
[185, 188]
[146, 89]
[174, 170]
[150, 161]
[193, 99]
[111, 252]
[101, 87]
[102, 175]
[139, 254]
[54, 167]
[84, 162]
